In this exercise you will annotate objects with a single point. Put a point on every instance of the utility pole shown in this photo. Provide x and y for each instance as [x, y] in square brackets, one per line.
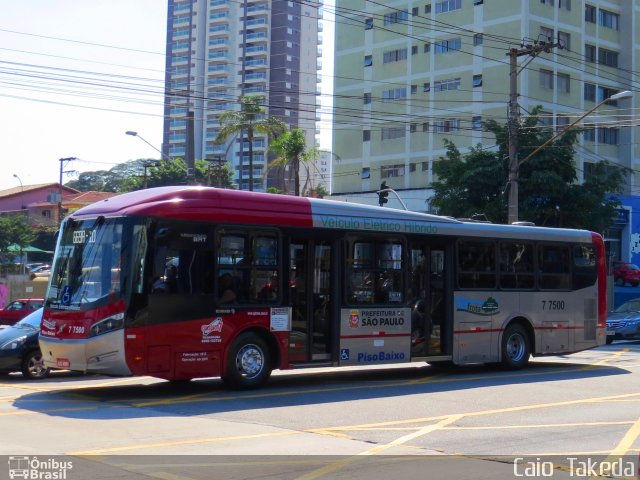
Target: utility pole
[63, 162]
[514, 116]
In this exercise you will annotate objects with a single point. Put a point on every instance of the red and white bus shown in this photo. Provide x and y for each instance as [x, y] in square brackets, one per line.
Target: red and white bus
[187, 282]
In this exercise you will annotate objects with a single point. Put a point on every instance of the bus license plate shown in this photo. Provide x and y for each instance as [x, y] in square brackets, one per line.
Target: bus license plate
[63, 363]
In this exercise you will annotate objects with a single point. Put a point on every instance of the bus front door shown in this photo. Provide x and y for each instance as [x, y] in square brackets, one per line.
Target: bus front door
[310, 301]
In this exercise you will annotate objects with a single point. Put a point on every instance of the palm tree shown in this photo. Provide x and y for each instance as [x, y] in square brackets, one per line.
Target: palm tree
[291, 148]
[249, 118]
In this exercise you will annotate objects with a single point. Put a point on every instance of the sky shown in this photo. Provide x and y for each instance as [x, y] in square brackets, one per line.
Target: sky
[56, 58]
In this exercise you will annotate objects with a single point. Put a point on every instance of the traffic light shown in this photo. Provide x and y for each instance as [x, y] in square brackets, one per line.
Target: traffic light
[383, 194]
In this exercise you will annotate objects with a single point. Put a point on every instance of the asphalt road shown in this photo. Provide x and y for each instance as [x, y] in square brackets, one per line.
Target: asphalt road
[394, 422]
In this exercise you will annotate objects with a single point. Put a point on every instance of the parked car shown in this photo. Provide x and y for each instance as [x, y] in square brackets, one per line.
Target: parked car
[625, 272]
[623, 323]
[19, 348]
[19, 309]
[42, 272]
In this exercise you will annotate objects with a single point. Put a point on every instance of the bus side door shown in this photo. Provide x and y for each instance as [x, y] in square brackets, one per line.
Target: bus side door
[310, 298]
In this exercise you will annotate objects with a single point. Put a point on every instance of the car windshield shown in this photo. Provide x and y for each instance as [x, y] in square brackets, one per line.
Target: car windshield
[31, 321]
[633, 306]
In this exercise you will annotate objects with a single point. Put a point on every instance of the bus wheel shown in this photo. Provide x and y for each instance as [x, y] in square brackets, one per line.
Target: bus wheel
[248, 363]
[515, 347]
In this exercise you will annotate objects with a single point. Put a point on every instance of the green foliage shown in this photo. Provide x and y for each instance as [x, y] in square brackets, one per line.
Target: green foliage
[14, 230]
[548, 192]
[291, 148]
[250, 120]
[124, 177]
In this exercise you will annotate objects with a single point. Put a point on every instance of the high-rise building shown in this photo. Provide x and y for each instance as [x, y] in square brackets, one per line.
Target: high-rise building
[221, 50]
[411, 74]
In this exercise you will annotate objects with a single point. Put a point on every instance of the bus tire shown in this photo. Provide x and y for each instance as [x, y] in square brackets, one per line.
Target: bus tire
[515, 347]
[248, 362]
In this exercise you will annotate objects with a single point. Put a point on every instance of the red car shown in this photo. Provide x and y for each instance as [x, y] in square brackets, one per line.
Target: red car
[19, 309]
[625, 272]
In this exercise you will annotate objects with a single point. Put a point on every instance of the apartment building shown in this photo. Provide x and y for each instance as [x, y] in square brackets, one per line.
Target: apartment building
[221, 50]
[410, 74]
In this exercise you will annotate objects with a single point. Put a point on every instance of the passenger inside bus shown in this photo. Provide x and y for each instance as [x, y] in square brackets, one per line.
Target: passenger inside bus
[269, 291]
[226, 289]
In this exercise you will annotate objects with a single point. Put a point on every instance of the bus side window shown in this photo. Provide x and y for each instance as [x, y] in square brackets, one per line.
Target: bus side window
[555, 266]
[476, 264]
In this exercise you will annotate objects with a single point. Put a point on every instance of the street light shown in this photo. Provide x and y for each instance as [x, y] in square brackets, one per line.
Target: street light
[136, 134]
[512, 215]
[21, 191]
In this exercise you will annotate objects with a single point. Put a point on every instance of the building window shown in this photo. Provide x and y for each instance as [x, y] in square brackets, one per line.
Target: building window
[545, 120]
[368, 23]
[414, 50]
[398, 16]
[366, 173]
[427, 9]
[448, 84]
[546, 79]
[394, 55]
[604, 92]
[547, 2]
[445, 46]
[609, 19]
[566, 4]
[390, 133]
[477, 39]
[590, 53]
[590, 13]
[394, 94]
[426, 87]
[590, 92]
[425, 166]
[563, 82]
[562, 122]
[392, 171]
[415, 11]
[427, 47]
[446, 126]
[425, 127]
[608, 136]
[546, 34]
[412, 167]
[414, 89]
[478, 2]
[476, 122]
[448, 6]
[366, 98]
[368, 60]
[413, 128]
[607, 57]
[589, 134]
[366, 135]
[564, 39]
[477, 80]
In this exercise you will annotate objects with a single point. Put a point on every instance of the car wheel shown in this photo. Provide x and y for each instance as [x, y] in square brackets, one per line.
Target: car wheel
[248, 362]
[515, 347]
[33, 366]
[609, 340]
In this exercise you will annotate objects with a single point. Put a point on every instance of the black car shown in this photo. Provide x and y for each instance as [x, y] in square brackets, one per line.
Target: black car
[19, 349]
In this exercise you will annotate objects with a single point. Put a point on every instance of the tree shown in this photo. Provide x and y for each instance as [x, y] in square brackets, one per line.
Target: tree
[14, 230]
[250, 118]
[549, 194]
[291, 148]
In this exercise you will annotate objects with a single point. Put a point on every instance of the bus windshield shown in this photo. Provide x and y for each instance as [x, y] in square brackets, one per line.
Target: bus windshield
[88, 263]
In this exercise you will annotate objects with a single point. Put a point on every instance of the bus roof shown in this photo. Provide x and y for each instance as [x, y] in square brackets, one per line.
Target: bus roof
[233, 206]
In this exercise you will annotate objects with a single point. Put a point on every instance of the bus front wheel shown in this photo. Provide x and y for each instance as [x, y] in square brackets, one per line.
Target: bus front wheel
[515, 347]
[248, 362]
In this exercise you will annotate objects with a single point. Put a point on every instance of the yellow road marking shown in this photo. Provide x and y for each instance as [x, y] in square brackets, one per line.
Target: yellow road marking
[549, 425]
[193, 441]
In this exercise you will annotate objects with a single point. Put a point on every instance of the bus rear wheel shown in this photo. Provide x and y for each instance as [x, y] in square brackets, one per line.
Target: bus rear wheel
[515, 347]
[248, 362]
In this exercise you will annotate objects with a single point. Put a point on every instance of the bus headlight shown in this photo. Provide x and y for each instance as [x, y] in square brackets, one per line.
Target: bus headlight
[13, 344]
[109, 324]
